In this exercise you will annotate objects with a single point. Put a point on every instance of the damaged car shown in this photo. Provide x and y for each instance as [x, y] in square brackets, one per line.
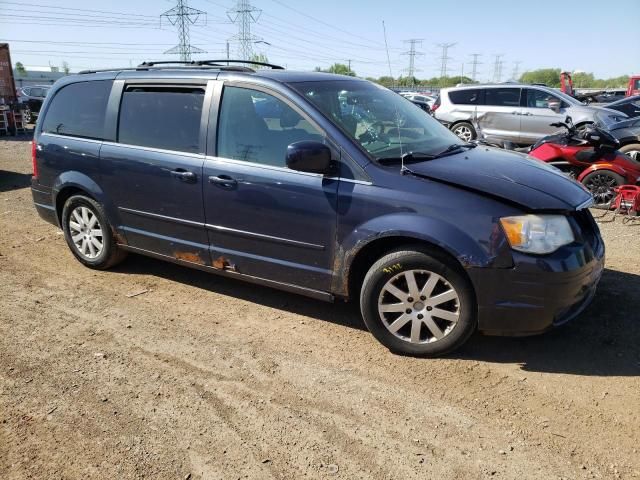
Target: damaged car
[324, 185]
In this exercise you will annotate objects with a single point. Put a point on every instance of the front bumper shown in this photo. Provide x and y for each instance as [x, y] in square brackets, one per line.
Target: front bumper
[540, 292]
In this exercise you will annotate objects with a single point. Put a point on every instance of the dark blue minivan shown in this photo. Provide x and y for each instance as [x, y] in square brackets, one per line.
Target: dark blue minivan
[320, 184]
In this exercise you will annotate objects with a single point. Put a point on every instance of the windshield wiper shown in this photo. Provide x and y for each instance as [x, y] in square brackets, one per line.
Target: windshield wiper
[408, 157]
[420, 156]
[454, 148]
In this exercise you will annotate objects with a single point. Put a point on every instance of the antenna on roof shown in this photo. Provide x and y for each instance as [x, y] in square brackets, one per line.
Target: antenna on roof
[386, 46]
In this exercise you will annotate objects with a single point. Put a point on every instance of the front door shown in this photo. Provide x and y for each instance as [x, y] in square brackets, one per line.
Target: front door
[153, 173]
[537, 116]
[264, 219]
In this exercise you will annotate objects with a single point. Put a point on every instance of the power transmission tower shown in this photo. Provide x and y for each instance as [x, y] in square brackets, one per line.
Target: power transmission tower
[516, 69]
[411, 70]
[184, 16]
[244, 14]
[474, 65]
[444, 58]
[497, 68]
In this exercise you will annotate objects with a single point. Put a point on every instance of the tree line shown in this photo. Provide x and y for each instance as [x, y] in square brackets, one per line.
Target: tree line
[547, 76]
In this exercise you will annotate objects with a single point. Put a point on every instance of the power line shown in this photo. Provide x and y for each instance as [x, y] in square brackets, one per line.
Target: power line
[444, 58]
[56, 8]
[244, 14]
[326, 24]
[184, 16]
[412, 53]
[474, 65]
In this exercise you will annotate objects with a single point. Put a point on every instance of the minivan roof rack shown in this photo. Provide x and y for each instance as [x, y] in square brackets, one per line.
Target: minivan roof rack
[212, 64]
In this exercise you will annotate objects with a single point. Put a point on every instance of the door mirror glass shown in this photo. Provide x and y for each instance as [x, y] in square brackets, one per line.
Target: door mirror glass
[555, 105]
[309, 156]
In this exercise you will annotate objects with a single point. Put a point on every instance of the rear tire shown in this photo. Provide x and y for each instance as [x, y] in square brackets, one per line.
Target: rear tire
[464, 131]
[601, 184]
[416, 302]
[89, 234]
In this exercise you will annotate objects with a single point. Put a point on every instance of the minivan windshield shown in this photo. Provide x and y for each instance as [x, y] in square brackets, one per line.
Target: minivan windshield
[384, 123]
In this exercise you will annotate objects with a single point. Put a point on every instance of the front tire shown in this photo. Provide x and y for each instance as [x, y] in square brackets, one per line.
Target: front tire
[88, 233]
[601, 184]
[418, 303]
[464, 131]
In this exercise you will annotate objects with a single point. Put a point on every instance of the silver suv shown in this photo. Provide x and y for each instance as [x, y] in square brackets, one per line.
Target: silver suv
[513, 112]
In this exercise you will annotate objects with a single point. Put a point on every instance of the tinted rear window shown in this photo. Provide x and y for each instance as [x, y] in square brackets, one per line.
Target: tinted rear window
[162, 117]
[465, 97]
[78, 110]
[502, 97]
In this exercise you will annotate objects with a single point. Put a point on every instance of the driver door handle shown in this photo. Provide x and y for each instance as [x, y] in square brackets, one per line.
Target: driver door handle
[224, 181]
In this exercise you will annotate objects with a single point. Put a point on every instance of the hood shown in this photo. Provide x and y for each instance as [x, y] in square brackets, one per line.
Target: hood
[509, 176]
[614, 115]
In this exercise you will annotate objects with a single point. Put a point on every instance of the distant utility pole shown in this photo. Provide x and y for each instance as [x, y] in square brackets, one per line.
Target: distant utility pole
[349, 63]
[444, 58]
[411, 70]
[244, 14]
[516, 69]
[497, 68]
[183, 16]
[474, 65]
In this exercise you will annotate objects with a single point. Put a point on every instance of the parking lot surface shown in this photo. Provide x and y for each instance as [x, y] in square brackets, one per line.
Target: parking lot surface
[152, 370]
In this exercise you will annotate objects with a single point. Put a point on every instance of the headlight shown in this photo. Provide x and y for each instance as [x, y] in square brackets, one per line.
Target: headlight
[537, 233]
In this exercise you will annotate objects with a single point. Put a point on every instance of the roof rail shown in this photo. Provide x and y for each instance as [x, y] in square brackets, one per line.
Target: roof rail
[212, 63]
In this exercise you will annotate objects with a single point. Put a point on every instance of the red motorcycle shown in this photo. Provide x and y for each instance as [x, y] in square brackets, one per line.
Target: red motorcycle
[590, 156]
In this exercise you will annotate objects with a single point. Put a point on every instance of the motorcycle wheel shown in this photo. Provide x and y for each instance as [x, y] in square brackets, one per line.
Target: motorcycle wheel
[601, 184]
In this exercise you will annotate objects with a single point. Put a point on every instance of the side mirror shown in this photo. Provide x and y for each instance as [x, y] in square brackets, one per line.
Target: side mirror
[555, 105]
[309, 156]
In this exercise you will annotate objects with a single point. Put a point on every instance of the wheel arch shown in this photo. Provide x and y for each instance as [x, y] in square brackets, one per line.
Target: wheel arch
[73, 183]
[371, 240]
[603, 167]
[368, 254]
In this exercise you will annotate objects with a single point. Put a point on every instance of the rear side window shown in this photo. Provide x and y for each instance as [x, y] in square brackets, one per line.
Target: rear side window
[465, 97]
[162, 117]
[78, 110]
[503, 97]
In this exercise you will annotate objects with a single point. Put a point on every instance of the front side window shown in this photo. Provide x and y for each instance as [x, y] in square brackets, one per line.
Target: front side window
[257, 127]
[161, 117]
[502, 97]
[469, 96]
[383, 123]
[78, 109]
[539, 99]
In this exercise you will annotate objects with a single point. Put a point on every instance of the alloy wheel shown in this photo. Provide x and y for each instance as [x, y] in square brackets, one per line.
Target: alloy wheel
[464, 133]
[419, 306]
[601, 187]
[86, 232]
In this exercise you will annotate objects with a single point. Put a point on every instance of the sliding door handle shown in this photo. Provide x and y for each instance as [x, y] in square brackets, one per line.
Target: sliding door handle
[184, 175]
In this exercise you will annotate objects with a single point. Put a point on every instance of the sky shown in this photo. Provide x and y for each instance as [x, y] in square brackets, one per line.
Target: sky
[303, 34]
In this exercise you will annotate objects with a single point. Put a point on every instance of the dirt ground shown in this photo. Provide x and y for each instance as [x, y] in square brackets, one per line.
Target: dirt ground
[208, 378]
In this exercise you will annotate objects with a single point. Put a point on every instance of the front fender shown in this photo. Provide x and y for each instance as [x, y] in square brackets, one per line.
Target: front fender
[488, 249]
[603, 166]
